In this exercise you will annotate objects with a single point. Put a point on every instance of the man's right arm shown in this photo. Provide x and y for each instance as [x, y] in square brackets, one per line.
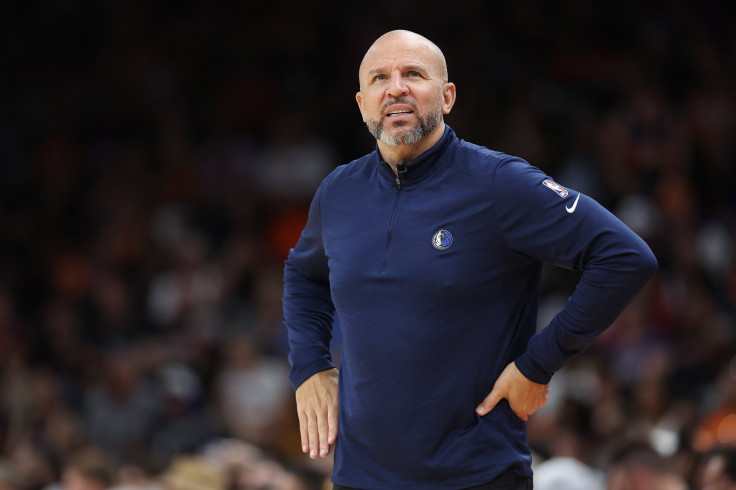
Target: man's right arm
[308, 316]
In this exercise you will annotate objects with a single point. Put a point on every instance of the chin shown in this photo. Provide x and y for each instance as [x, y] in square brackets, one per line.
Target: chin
[400, 129]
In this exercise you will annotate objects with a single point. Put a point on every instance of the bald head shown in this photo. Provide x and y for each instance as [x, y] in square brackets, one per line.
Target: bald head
[394, 43]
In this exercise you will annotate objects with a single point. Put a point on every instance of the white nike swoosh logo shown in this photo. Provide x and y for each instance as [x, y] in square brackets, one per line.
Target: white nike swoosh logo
[574, 205]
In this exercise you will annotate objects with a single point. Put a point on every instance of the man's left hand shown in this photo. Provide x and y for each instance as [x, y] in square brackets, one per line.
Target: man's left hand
[524, 396]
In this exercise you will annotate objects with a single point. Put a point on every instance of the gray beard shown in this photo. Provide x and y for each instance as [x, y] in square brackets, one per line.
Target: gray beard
[427, 124]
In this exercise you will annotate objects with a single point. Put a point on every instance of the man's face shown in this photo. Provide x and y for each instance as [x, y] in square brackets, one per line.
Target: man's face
[403, 91]
[714, 476]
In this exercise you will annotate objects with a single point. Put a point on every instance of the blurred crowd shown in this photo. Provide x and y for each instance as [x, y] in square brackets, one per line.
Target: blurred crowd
[157, 160]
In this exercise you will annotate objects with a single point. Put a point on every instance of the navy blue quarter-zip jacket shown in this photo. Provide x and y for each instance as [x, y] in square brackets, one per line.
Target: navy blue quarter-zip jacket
[435, 279]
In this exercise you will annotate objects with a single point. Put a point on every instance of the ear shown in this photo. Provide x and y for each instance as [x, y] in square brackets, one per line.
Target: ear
[359, 100]
[448, 97]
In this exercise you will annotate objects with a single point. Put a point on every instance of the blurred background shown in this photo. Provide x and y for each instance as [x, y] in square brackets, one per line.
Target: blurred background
[157, 160]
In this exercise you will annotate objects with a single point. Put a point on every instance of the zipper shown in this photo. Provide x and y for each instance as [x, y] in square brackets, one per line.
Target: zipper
[391, 225]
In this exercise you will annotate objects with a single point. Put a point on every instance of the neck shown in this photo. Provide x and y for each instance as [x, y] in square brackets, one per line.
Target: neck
[406, 153]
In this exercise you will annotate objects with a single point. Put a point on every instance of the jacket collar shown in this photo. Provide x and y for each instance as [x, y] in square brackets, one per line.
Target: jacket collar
[420, 167]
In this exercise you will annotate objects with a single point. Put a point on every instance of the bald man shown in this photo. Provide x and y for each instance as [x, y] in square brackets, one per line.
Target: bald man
[429, 252]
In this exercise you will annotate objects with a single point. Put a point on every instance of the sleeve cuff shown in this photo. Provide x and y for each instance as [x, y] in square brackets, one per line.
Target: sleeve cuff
[531, 370]
[297, 376]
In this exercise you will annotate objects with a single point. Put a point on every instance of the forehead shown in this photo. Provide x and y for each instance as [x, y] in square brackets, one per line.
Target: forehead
[399, 51]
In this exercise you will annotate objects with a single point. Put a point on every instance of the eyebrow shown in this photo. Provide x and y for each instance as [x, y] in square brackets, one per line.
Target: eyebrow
[412, 67]
[421, 68]
[375, 71]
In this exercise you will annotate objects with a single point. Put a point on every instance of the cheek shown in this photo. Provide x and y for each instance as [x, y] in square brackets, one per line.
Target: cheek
[363, 105]
[432, 102]
[365, 111]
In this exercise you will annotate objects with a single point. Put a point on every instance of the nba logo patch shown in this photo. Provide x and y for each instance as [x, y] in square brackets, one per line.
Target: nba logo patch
[561, 191]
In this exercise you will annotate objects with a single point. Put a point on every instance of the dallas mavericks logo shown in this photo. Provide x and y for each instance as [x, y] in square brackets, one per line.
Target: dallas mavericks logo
[442, 240]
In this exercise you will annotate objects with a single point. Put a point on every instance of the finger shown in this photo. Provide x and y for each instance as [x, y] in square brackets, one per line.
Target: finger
[489, 403]
[313, 435]
[303, 431]
[323, 430]
[332, 420]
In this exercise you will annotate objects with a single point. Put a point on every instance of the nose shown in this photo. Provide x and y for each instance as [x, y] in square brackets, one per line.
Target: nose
[397, 86]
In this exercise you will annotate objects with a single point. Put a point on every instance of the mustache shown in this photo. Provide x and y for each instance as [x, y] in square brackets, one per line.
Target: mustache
[399, 100]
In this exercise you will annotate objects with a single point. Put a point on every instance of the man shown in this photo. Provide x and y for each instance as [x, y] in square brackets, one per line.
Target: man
[719, 469]
[429, 251]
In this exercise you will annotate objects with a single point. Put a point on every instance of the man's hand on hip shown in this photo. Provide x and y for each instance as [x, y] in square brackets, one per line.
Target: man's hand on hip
[316, 404]
[524, 396]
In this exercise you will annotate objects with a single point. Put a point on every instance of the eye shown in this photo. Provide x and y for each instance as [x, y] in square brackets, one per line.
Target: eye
[414, 73]
[379, 78]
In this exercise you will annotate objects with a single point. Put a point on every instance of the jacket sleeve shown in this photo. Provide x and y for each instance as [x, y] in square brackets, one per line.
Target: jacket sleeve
[565, 228]
[307, 303]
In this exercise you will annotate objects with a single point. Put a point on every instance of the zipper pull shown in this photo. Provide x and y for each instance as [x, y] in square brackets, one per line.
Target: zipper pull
[400, 172]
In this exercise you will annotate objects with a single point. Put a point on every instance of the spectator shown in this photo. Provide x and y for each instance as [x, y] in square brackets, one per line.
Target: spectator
[719, 469]
[637, 466]
[88, 469]
[120, 408]
[194, 473]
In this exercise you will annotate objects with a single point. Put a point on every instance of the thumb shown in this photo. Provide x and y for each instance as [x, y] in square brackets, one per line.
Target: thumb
[489, 403]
